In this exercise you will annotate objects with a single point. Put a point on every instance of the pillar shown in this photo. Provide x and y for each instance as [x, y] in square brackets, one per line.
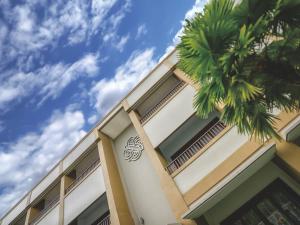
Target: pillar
[174, 196]
[289, 153]
[117, 202]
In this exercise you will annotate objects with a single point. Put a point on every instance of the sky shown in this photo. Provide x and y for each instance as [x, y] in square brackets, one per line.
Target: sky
[63, 65]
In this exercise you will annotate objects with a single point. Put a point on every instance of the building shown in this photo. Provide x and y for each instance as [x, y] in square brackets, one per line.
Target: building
[152, 161]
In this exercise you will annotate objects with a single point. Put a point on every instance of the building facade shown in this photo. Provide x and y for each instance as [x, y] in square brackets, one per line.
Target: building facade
[151, 161]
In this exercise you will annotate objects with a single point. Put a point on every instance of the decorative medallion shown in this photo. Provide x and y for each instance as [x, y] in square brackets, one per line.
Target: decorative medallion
[133, 149]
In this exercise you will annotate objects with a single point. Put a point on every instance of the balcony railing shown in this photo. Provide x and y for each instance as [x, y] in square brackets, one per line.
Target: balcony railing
[195, 147]
[152, 110]
[83, 175]
[45, 210]
[105, 221]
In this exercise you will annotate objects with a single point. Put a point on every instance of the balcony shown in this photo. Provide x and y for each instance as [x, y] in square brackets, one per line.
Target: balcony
[95, 213]
[54, 201]
[105, 221]
[85, 173]
[162, 100]
[88, 187]
[44, 210]
[212, 130]
[168, 118]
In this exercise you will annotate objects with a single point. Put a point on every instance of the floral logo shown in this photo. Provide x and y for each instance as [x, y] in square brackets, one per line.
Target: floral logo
[133, 149]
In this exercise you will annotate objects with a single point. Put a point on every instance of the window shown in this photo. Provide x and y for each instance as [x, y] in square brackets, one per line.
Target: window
[275, 205]
[195, 138]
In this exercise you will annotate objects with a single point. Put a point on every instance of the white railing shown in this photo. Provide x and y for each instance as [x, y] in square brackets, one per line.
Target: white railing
[161, 102]
[45, 210]
[105, 221]
[195, 147]
[83, 175]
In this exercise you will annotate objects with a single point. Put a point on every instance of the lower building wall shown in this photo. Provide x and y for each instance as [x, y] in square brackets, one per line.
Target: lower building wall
[82, 196]
[52, 217]
[210, 159]
[94, 211]
[144, 194]
[15, 211]
[246, 191]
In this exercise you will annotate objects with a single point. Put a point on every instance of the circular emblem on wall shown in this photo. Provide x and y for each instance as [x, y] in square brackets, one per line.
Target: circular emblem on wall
[133, 149]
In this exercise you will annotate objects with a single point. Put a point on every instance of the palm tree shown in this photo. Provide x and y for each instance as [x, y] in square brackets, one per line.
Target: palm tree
[246, 56]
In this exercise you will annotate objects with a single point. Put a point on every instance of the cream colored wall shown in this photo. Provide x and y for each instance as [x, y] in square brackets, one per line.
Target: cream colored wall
[93, 212]
[152, 78]
[142, 187]
[53, 193]
[293, 128]
[83, 195]
[50, 178]
[181, 136]
[172, 59]
[246, 191]
[210, 159]
[87, 161]
[171, 116]
[83, 146]
[158, 94]
[15, 211]
[51, 218]
[146, 84]
[54, 174]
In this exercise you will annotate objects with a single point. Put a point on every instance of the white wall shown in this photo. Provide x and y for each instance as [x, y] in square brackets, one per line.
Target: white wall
[210, 159]
[171, 116]
[173, 59]
[83, 146]
[54, 174]
[96, 210]
[51, 218]
[146, 84]
[90, 158]
[292, 130]
[53, 193]
[15, 211]
[246, 191]
[157, 95]
[183, 135]
[142, 187]
[91, 188]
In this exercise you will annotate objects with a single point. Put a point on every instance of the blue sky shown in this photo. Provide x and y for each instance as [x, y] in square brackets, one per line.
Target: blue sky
[63, 65]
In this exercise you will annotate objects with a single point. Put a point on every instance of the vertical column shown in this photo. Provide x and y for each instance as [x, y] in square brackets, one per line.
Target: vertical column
[31, 214]
[188, 222]
[65, 182]
[28, 198]
[182, 76]
[289, 153]
[118, 206]
[168, 185]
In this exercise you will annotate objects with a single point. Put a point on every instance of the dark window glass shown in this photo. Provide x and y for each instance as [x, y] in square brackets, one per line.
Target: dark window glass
[277, 204]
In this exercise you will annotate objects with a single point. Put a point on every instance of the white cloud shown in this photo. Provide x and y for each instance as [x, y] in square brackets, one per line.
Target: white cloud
[111, 36]
[93, 119]
[142, 30]
[31, 33]
[122, 42]
[99, 9]
[25, 22]
[46, 82]
[106, 92]
[2, 126]
[197, 7]
[41, 149]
